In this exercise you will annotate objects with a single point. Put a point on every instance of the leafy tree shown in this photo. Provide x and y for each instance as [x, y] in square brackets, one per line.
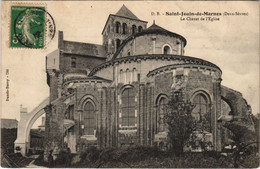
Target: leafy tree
[199, 136]
[179, 119]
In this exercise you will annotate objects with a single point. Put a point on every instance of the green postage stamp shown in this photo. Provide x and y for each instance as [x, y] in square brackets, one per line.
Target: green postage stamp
[27, 27]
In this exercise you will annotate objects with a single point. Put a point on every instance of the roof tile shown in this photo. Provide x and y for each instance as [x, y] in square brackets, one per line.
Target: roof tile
[125, 12]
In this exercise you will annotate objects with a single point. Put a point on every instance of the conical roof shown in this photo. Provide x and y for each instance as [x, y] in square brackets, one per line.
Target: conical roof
[125, 12]
[156, 27]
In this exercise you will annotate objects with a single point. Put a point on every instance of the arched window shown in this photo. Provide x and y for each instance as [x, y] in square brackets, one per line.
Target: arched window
[127, 77]
[89, 119]
[73, 62]
[166, 50]
[140, 28]
[118, 43]
[124, 28]
[133, 29]
[134, 75]
[121, 77]
[179, 48]
[161, 110]
[128, 107]
[201, 108]
[118, 26]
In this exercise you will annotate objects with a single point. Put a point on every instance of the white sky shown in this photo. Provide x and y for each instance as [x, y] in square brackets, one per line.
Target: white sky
[231, 43]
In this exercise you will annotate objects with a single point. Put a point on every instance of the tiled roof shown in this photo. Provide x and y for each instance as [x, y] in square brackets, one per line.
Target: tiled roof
[125, 12]
[156, 27]
[87, 49]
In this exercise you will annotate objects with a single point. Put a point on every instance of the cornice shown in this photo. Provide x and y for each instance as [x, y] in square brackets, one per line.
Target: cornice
[174, 66]
[85, 81]
[187, 59]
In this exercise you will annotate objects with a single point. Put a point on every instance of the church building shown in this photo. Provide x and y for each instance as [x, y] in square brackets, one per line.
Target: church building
[113, 95]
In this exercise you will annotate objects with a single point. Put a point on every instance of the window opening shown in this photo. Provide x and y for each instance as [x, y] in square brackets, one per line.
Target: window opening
[166, 50]
[89, 119]
[124, 28]
[128, 107]
[133, 29]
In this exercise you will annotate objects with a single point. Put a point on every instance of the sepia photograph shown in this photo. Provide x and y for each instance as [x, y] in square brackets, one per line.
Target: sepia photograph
[130, 84]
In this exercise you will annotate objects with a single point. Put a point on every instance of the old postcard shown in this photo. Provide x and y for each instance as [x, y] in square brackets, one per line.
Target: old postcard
[130, 84]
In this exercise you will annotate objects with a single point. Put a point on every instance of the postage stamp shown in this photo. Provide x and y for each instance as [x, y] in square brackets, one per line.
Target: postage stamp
[31, 27]
[27, 26]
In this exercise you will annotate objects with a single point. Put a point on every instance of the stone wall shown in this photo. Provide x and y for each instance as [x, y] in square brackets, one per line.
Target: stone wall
[142, 67]
[235, 100]
[82, 63]
[54, 127]
[151, 44]
[193, 81]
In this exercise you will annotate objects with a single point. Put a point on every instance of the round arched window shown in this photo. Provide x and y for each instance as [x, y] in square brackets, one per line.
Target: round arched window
[201, 112]
[133, 29]
[124, 28]
[166, 50]
[201, 106]
[118, 26]
[161, 110]
[89, 119]
[128, 107]
[140, 28]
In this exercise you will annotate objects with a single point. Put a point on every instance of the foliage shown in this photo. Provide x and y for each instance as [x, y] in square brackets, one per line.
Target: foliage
[9, 136]
[14, 160]
[63, 157]
[256, 121]
[184, 129]
[134, 153]
[152, 157]
[180, 122]
[90, 155]
[40, 160]
[148, 157]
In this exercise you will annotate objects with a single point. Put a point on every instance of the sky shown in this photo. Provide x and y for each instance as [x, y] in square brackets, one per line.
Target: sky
[232, 43]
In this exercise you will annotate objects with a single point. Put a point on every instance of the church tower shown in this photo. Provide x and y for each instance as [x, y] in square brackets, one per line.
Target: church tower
[118, 27]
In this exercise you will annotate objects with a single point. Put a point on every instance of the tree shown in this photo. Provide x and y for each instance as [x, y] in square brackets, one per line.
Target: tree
[179, 119]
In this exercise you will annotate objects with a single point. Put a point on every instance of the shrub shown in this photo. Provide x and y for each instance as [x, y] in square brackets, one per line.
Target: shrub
[90, 155]
[40, 160]
[150, 157]
[62, 157]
